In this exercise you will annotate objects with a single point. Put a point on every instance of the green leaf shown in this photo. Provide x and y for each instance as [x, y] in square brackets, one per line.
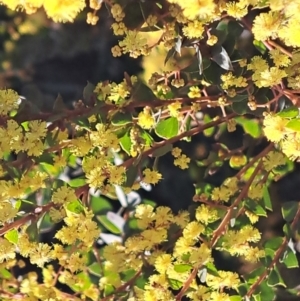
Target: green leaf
[108, 224]
[131, 175]
[175, 284]
[170, 54]
[182, 268]
[108, 289]
[264, 293]
[290, 259]
[221, 57]
[199, 58]
[209, 131]
[99, 204]
[5, 274]
[289, 210]
[88, 93]
[275, 279]
[267, 199]
[75, 207]
[95, 269]
[12, 236]
[255, 208]
[121, 118]
[159, 152]
[147, 137]
[290, 112]
[260, 46]
[59, 105]
[125, 142]
[235, 298]
[250, 126]
[167, 128]
[234, 28]
[294, 125]
[32, 232]
[77, 182]
[274, 243]
[212, 270]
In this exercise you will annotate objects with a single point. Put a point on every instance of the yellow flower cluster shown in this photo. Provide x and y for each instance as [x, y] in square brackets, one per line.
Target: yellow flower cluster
[238, 243]
[58, 10]
[276, 131]
[181, 160]
[225, 191]
[23, 139]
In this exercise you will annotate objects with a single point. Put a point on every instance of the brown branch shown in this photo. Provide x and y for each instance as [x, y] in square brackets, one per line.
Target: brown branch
[220, 230]
[188, 133]
[121, 288]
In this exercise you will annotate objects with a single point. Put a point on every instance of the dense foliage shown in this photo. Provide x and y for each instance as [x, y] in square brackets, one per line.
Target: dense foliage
[210, 67]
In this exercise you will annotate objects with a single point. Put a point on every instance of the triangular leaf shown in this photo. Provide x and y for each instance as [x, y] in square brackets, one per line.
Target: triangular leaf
[167, 128]
[221, 57]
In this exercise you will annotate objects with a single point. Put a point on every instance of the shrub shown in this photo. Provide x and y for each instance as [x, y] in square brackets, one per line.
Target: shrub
[223, 65]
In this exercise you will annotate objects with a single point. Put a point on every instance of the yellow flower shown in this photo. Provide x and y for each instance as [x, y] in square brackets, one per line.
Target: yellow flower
[274, 127]
[63, 10]
[266, 25]
[151, 176]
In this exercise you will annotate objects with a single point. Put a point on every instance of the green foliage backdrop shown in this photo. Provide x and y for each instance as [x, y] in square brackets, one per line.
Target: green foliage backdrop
[225, 71]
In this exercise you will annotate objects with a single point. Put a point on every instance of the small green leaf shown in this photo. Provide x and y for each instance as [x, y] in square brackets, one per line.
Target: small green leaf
[32, 232]
[235, 298]
[275, 279]
[162, 150]
[260, 46]
[255, 208]
[182, 268]
[99, 204]
[131, 175]
[289, 210]
[59, 105]
[95, 269]
[4, 273]
[290, 112]
[77, 182]
[221, 57]
[290, 259]
[75, 207]
[121, 118]
[12, 236]
[212, 270]
[294, 125]
[199, 58]
[274, 243]
[175, 284]
[267, 199]
[167, 128]
[88, 93]
[108, 224]
[125, 142]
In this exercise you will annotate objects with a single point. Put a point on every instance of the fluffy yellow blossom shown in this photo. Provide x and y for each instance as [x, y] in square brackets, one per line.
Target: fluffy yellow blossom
[163, 262]
[206, 214]
[151, 176]
[9, 100]
[63, 10]
[196, 8]
[274, 127]
[194, 92]
[182, 161]
[266, 25]
[146, 119]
